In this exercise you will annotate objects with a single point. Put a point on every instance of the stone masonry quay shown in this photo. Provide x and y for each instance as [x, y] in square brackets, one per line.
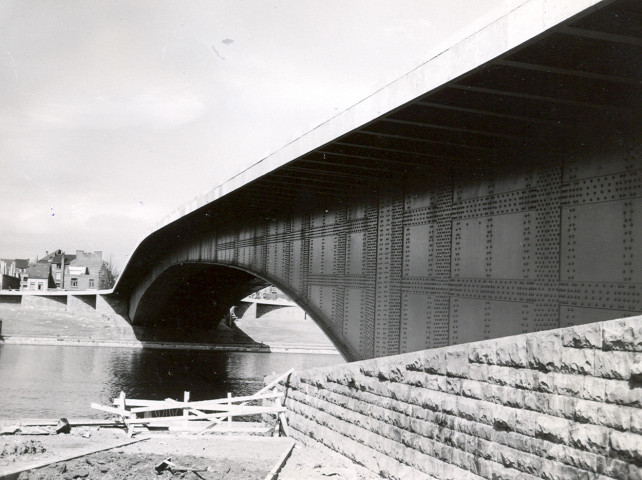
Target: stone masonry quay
[563, 404]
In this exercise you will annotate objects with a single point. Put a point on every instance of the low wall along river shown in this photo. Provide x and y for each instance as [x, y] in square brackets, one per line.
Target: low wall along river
[560, 404]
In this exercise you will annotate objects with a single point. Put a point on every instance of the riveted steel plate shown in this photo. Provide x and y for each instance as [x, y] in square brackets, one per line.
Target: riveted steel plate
[354, 317]
[297, 223]
[418, 199]
[296, 264]
[592, 242]
[194, 252]
[356, 211]
[252, 257]
[323, 252]
[316, 258]
[467, 188]
[509, 318]
[604, 295]
[600, 160]
[509, 254]
[355, 257]
[418, 249]
[322, 297]
[323, 218]
[225, 255]
[618, 186]
[510, 181]
[468, 319]
[329, 254]
[388, 274]
[475, 319]
[276, 259]
[570, 316]
[248, 233]
[416, 321]
[470, 248]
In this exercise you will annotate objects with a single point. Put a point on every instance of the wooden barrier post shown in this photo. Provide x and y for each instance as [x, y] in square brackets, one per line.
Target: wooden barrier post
[185, 408]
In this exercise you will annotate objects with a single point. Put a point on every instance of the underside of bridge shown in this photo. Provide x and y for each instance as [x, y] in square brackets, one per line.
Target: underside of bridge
[195, 295]
[504, 200]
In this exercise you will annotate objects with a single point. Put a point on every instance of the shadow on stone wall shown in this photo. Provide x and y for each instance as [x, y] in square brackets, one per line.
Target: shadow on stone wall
[10, 299]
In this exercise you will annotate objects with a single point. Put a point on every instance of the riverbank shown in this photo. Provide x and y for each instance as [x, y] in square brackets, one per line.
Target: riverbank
[23, 326]
[254, 348]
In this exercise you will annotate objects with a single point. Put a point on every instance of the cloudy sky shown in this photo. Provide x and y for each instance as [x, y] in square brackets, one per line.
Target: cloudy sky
[113, 113]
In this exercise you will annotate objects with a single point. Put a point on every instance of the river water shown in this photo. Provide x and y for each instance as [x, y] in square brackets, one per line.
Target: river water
[62, 381]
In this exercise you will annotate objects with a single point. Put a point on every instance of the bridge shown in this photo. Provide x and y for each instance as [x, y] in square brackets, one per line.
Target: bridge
[495, 189]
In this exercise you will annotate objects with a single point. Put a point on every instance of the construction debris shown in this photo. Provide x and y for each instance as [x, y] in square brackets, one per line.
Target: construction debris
[167, 464]
[63, 426]
[188, 417]
[199, 417]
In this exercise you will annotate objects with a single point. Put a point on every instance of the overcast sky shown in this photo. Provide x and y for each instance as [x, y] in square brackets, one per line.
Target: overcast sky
[113, 113]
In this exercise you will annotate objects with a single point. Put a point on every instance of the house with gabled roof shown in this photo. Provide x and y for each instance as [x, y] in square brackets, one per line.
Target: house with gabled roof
[59, 262]
[38, 278]
[80, 271]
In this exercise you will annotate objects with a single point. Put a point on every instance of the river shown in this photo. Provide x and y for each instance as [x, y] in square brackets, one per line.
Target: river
[62, 381]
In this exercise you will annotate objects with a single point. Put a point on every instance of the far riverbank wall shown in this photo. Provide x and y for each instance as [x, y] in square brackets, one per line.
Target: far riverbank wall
[560, 404]
[97, 320]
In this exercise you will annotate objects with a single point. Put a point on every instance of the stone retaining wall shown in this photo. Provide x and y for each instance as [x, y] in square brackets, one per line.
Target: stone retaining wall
[45, 302]
[561, 404]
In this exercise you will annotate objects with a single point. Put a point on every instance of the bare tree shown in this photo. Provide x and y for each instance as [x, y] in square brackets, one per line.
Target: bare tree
[113, 271]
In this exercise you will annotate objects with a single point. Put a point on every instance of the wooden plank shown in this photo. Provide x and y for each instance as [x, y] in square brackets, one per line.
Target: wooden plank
[246, 398]
[275, 382]
[214, 417]
[273, 473]
[117, 411]
[239, 410]
[188, 410]
[162, 420]
[185, 399]
[202, 404]
[131, 402]
[284, 424]
[269, 386]
[157, 408]
[73, 423]
[173, 404]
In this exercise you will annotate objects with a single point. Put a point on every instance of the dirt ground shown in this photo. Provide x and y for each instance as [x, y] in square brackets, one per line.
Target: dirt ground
[217, 457]
[317, 463]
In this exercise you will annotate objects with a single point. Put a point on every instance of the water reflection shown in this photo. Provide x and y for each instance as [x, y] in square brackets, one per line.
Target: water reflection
[57, 381]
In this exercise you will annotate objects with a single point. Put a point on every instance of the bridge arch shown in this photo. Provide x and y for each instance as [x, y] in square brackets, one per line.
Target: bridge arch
[198, 294]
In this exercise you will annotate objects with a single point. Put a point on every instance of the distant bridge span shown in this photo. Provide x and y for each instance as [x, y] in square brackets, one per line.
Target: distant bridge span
[495, 189]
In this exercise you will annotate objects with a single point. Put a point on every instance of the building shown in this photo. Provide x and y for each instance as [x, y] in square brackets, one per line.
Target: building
[11, 272]
[38, 277]
[87, 271]
[82, 271]
[59, 261]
